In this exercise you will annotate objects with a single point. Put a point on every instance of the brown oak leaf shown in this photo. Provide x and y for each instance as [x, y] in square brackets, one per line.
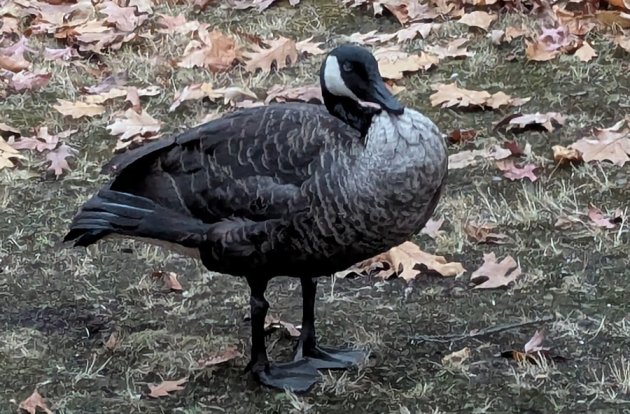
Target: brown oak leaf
[493, 274]
[610, 144]
[278, 51]
[228, 354]
[484, 232]
[57, 159]
[33, 403]
[164, 388]
[514, 172]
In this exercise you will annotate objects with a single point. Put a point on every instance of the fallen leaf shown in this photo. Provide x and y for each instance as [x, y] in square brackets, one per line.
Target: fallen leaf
[432, 227]
[538, 52]
[535, 343]
[563, 155]
[7, 154]
[119, 93]
[279, 51]
[585, 52]
[228, 354]
[134, 124]
[465, 158]
[462, 135]
[112, 342]
[176, 24]
[452, 49]
[479, 19]
[493, 274]
[232, 94]
[64, 54]
[8, 130]
[600, 220]
[165, 387]
[115, 80]
[78, 109]
[307, 93]
[29, 81]
[272, 323]
[610, 144]
[133, 97]
[216, 52]
[34, 402]
[457, 358]
[42, 140]
[57, 159]
[449, 95]
[124, 18]
[402, 260]
[548, 120]
[484, 232]
[513, 172]
[310, 48]
[392, 62]
[170, 281]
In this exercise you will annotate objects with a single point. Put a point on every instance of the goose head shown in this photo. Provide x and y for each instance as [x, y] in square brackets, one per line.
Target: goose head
[353, 89]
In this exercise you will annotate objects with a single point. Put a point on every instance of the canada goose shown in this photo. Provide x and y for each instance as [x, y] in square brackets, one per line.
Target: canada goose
[290, 189]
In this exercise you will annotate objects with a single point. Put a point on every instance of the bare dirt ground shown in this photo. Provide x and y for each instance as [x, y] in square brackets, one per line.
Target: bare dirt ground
[58, 305]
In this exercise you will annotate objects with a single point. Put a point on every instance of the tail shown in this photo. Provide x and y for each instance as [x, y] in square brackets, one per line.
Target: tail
[113, 212]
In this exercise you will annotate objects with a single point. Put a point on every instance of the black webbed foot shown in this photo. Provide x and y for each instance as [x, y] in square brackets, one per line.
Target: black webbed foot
[297, 376]
[321, 357]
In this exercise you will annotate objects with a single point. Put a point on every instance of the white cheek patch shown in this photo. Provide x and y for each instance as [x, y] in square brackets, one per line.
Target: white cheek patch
[333, 80]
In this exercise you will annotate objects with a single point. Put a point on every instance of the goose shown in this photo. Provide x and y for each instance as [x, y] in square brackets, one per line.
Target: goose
[292, 189]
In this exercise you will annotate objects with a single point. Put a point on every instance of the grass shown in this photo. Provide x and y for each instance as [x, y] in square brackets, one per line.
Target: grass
[60, 306]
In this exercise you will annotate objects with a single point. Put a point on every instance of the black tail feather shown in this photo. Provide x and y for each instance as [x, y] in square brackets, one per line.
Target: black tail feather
[113, 212]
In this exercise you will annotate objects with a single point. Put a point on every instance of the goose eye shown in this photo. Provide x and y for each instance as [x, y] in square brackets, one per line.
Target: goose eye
[347, 67]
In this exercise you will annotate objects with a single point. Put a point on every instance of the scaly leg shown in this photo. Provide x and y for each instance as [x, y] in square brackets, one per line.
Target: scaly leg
[320, 357]
[299, 375]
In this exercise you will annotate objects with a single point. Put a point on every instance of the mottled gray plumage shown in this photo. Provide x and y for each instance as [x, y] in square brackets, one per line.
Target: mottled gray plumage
[290, 189]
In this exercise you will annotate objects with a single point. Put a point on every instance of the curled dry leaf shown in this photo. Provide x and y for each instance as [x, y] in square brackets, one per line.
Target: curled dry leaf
[513, 172]
[78, 109]
[169, 279]
[610, 144]
[123, 18]
[228, 354]
[272, 323]
[493, 274]
[165, 387]
[465, 158]
[176, 24]
[115, 80]
[563, 155]
[598, 219]
[479, 19]
[484, 232]
[33, 403]
[457, 358]
[535, 343]
[112, 342]
[402, 262]
[432, 228]
[279, 51]
[585, 52]
[65, 54]
[462, 135]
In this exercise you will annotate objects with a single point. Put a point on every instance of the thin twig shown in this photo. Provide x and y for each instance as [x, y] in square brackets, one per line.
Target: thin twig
[477, 333]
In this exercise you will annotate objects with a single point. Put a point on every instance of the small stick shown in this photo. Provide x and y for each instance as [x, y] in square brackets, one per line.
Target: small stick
[477, 333]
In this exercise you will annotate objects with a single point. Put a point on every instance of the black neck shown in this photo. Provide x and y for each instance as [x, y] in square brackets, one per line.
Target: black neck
[350, 111]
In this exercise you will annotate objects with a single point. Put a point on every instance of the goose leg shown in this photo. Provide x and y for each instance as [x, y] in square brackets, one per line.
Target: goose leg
[307, 347]
[298, 376]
